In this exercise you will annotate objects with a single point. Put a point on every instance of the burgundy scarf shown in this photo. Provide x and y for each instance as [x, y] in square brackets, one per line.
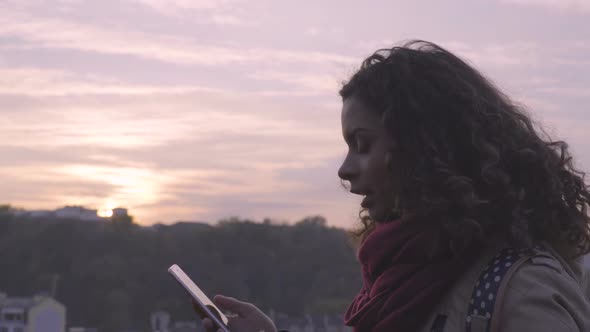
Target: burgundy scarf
[404, 277]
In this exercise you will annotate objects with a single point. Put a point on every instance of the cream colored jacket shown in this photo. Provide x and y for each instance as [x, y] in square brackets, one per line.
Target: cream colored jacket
[543, 293]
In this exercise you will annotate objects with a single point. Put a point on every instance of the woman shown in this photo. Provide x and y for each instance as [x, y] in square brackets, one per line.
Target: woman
[464, 202]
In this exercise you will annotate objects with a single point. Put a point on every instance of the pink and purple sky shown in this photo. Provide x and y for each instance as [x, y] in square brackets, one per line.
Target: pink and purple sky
[206, 109]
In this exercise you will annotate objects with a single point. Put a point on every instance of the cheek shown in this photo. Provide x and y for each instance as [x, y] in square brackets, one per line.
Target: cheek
[377, 167]
[381, 175]
[365, 165]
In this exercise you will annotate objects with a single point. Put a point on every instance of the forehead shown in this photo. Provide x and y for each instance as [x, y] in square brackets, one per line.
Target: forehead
[355, 114]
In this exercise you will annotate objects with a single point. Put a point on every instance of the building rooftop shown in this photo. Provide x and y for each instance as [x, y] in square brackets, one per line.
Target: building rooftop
[17, 302]
[20, 302]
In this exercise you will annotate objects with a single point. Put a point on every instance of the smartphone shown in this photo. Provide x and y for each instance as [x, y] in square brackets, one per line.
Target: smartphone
[200, 298]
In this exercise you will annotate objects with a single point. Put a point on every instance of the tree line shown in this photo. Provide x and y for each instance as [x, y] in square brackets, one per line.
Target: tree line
[113, 275]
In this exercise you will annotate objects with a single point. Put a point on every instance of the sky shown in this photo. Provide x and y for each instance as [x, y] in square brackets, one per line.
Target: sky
[199, 110]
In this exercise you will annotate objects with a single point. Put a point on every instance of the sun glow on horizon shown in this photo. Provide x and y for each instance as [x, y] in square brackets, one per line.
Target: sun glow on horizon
[106, 209]
[105, 213]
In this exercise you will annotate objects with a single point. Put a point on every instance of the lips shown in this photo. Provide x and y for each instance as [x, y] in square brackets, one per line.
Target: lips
[367, 199]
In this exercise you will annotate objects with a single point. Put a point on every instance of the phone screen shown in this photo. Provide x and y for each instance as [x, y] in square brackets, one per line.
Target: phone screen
[202, 300]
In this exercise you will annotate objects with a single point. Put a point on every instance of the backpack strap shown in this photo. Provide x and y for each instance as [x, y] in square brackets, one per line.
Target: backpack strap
[486, 297]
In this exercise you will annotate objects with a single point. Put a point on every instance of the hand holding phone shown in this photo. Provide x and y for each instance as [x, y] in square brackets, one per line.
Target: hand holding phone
[205, 305]
[247, 317]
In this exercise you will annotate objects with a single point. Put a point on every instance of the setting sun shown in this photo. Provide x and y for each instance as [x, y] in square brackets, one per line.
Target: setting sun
[105, 213]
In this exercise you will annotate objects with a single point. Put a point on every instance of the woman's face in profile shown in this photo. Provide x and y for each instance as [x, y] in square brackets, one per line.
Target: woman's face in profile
[366, 166]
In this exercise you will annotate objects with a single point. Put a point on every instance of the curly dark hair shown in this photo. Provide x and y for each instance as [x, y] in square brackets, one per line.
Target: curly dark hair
[473, 163]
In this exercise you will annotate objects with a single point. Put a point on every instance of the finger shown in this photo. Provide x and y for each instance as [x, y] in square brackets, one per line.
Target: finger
[198, 309]
[238, 307]
[208, 325]
[214, 311]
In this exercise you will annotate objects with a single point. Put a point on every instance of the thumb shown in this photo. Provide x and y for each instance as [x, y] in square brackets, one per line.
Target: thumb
[238, 307]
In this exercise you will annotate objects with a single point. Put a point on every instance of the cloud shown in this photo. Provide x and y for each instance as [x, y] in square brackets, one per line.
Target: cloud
[570, 92]
[145, 190]
[124, 123]
[312, 31]
[564, 5]
[219, 12]
[523, 54]
[306, 191]
[228, 20]
[41, 82]
[38, 32]
[82, 184]
[206, 116]
[204, 149]
[48, 156]
[129, 128]
[498, 54]
[79, 125]
[34, 187]
[55, 108]
[172, 6]
[319, 82]
[153, 149]
[49, 82]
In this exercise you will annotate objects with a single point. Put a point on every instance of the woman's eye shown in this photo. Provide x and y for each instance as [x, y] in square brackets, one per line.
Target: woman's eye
[362, 146]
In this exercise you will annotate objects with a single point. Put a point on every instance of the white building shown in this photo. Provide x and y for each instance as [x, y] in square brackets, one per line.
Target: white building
[120, 212]
[77, 212]
[160, 321]
[38, 314]
[67, 212]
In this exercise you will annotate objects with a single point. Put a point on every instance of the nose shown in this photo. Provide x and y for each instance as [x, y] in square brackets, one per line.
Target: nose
[347, 170]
